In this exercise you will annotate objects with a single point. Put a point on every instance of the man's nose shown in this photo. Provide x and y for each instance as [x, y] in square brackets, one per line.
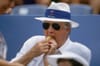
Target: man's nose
[50, 28]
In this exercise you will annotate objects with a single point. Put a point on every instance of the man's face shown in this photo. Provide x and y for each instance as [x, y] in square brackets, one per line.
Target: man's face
[58, 30]
[4, 5]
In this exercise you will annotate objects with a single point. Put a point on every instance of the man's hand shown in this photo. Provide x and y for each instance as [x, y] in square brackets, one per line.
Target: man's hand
[52, 47]
[45, 47]
[40, 48]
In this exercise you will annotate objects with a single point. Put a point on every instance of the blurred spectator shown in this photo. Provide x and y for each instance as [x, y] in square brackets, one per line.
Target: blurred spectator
[19, 2]
[29, 1]
[95, 4]
[66, 1]
[85, 2]
[80, 2]
[75, 1]
[43, 2]
[11, 6]
[4, 5]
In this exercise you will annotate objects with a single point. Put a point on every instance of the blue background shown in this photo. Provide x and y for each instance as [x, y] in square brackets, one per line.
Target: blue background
[17, 29]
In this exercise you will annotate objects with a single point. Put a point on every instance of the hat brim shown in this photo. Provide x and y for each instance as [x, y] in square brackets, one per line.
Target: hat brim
[52, 59]
[73, 23]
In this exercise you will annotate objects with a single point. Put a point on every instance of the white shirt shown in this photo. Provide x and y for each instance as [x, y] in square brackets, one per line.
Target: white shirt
[38, 61]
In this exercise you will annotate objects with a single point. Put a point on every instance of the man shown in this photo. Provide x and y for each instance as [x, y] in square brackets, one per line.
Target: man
[57, 25]
[74, 56]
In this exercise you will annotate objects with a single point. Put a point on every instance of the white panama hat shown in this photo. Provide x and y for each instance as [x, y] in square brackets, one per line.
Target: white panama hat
[79, 53]
[58, 12]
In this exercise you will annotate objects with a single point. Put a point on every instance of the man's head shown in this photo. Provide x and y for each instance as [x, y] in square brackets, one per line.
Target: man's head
[57, 22]
[58, 31]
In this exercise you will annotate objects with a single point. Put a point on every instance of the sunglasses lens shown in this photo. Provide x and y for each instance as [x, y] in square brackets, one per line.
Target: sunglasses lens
[56, 26]
[46, 26]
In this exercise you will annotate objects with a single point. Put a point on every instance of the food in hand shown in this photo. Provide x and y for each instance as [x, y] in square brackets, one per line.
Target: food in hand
[48, 38]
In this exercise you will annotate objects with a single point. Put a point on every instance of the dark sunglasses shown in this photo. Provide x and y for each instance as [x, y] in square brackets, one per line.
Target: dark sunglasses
[55, 26]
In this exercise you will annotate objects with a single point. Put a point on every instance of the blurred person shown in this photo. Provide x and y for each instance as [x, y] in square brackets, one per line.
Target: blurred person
[44, 2]
[57, 25]
[19, 2]
[80, 2]
[95, 4]
[85, 2]
[4, 5]
[65, 1]
[29, 2]
[75, 1]
[11, 6]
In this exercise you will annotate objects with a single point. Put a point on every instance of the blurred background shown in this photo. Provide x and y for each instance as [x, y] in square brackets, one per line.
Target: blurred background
[17, 24]
[8, 6]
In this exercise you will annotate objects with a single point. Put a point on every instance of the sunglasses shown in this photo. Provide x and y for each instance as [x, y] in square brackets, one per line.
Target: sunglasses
[55, 26]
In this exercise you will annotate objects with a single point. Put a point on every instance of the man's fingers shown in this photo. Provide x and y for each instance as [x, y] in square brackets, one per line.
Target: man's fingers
[43, 47]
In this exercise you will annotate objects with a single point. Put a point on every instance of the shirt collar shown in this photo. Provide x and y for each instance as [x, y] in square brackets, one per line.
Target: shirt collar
[63, 47]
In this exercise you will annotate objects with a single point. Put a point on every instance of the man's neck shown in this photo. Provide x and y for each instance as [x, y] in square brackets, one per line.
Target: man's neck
[61, 42]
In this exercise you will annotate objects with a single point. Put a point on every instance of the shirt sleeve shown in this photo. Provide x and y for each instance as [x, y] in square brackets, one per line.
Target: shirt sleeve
[27, 46]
